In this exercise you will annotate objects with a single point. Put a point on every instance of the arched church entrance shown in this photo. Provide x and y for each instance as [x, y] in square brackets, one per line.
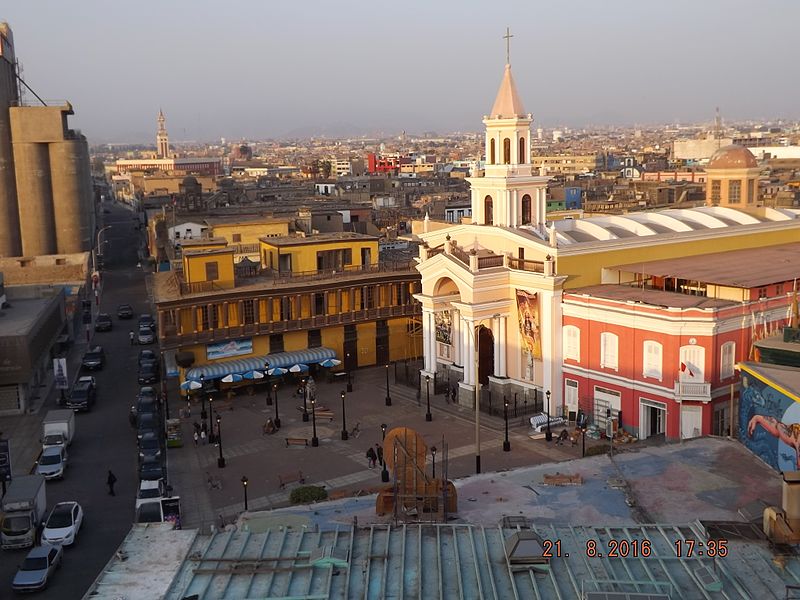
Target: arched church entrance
[485, 354]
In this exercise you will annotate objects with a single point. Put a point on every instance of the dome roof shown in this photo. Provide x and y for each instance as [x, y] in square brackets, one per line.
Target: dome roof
[732, 157]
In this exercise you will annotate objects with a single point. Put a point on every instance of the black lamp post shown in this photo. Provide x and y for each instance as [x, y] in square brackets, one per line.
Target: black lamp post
[345, 435]
[388, 397]
[211, 418]
[385, 471]
[428, 415]
[221, 459]
[203, 414]
[548, 435]
[244, 487]
[583, 442]
[348, 366]
[506, 443]
[277, 418]
[433, 456]
[266, 374]
[305, 396]
[314, 439]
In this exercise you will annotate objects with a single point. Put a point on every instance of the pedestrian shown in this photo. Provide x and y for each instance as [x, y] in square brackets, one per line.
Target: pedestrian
[110, 481]
[131, 336]
[372, 457]
[203, 436]
[197, 427]
[196, 438]
[379, 452]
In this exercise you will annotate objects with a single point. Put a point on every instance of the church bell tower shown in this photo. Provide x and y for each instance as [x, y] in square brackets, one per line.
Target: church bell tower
[162, 139]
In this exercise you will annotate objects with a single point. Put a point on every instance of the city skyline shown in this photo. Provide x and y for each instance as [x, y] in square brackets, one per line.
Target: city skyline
[267, 71]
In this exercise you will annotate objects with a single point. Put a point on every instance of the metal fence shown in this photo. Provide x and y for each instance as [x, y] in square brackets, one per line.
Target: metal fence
[406, 372]
[518, 405]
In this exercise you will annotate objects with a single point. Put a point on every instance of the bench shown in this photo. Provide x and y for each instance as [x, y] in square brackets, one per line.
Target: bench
[296, 442]
[325, 414]
[285, 478]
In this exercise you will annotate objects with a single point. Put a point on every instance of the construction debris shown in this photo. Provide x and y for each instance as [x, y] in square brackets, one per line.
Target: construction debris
[562, 479]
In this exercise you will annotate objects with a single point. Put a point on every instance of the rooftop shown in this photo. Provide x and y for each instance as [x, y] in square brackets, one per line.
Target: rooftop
[626, 293]
[245, 220]
[22, 316]
[787, 378]
[736, 268]
[188, 243]
[318, 238]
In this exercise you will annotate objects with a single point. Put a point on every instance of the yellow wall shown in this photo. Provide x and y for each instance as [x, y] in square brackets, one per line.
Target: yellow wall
[366, 343]
[586, 269]
[250, 232]
[304, 257]
[401, 343]
[194, 268]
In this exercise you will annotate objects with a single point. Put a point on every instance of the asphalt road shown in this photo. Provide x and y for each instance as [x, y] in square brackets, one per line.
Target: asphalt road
[104, 438]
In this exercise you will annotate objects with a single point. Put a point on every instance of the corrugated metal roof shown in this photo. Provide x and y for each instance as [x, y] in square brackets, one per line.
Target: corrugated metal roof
[466, 561]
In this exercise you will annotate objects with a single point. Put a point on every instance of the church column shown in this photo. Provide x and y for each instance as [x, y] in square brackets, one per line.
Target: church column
[427, 347]
[468, 351]
[502, 323]
[550, 328]
[496, 345]
[455, 319]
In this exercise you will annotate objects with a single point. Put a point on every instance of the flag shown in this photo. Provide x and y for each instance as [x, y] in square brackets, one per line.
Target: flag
[684, 368]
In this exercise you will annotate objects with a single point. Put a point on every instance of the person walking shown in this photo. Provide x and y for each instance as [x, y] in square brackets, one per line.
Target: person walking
[203, 436]
[372, 457]
[110, 481]
[196, 438]
[131, 336]
[379, 453]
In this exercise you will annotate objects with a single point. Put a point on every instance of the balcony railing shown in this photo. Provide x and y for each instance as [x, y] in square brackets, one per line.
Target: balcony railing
[487, 262]
[171, 338]
[346, 271]
[520, 264]
[245, 248]
[687, 390]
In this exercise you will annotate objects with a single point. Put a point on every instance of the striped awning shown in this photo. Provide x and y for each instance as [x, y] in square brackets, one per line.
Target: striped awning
[240, 366]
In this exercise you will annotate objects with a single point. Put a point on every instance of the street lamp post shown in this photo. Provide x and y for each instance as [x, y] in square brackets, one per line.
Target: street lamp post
[348, 366]
[428, 415]
[314, 439]
[305, 397]
[548, 435]
[385, 471]
[277, 418]
[211, 418]
[203, 413]
[221, 459]
[433, 457]
[97, 247]
[506, 443]
[474, 329]
[388, 397]
[345, 435]
[266, 374]
[244, 487]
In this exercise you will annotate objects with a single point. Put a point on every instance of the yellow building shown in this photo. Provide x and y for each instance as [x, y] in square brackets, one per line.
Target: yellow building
[310, 298]
[243, 234]
[732, 177]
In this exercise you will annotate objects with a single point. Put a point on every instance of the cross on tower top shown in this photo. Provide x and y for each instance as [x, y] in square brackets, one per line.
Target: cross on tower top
[507, 37]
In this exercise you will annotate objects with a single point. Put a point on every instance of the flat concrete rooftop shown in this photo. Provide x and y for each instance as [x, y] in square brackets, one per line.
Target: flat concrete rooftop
[22, 316]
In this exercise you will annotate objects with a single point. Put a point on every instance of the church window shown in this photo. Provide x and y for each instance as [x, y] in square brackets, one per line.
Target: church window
[492, 153]
[506, 151]
[572, 343]
[526, 209]
[488, 210]
[522, 159]
[735, 191]
[716, 187]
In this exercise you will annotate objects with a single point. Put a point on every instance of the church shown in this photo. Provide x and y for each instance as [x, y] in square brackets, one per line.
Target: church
[498, 288]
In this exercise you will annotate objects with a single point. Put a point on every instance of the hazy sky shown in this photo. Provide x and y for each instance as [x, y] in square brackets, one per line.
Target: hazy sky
[265, 68]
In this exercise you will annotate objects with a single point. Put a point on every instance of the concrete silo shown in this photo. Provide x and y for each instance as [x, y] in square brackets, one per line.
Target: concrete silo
[10, 243]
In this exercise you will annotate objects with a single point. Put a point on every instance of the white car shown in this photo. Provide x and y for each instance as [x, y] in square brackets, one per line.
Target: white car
[52, 462]
[63, 524]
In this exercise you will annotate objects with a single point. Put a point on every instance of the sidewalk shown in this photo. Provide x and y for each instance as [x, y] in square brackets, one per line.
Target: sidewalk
[338, 465]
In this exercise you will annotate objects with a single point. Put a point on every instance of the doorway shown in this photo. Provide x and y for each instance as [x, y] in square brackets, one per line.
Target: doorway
[485, 354]
[652, 418]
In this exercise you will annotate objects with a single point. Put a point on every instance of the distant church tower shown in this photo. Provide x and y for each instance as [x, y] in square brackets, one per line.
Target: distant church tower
[508, 194]
[162, 139]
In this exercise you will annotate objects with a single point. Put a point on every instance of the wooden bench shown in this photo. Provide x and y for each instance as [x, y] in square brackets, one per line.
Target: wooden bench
[285, 478]
[296, 442]
[325, 414]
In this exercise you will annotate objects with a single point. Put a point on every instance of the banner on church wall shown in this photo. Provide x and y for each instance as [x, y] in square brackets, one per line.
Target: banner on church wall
[444, 327]
[528, 315]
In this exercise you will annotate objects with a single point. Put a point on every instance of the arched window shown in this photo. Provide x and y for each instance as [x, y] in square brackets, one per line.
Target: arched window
[488, 211]
[572, 343]
[506, 151]
[522, 159]
[609, 350]
[651, 365]
[526, 209]
[492, 153]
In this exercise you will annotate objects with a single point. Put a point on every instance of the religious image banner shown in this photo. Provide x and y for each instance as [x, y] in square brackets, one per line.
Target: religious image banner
[444, 327]
[528, 314]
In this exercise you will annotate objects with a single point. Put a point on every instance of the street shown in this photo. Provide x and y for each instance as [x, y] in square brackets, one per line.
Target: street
[104, 439]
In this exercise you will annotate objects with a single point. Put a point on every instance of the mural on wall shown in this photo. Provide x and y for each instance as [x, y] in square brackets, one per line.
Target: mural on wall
[769, 423]
[444, 327]
[528, 314]
[230, 348]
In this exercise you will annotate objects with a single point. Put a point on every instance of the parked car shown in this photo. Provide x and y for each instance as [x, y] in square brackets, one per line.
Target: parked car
[147, 423]
[150, 489]
[152, 469]
[149, 373]
[103, 322]
[83, 394]
[146, 356]
[52, 463]
[36, 570]
[149, 445]
[146, 401]
[147, 320]
[146, 335]
[63, 524]
[124, 311]
[94, 358]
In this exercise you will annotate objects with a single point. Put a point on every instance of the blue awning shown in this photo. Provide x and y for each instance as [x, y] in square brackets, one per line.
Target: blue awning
[240, 366]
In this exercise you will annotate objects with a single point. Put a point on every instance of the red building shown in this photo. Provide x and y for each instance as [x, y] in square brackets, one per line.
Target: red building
[381, 164]
[661, 348]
